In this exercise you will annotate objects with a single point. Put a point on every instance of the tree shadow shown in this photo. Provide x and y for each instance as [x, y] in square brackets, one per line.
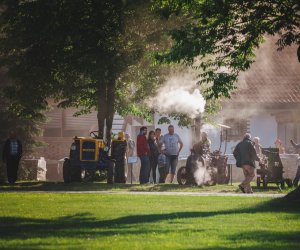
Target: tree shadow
[261, 240]
[84, 224]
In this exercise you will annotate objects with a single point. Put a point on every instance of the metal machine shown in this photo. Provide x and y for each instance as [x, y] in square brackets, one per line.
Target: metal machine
[89, 154]
[217, 171]
[213, 165]
[271, 169]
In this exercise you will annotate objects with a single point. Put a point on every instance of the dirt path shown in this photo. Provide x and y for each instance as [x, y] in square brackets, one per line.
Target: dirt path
[155, 193]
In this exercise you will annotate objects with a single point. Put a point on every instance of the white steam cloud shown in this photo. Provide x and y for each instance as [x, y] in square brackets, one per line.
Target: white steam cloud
[202, 175]
[179, 94]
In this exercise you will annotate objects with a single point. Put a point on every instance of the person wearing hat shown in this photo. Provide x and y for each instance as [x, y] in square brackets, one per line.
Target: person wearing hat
[245, 155]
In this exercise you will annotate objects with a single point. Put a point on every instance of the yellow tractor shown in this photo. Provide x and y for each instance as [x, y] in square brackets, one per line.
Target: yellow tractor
[89, 154]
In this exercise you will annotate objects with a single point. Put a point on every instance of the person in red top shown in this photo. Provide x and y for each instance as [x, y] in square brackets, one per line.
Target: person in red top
[143, 151]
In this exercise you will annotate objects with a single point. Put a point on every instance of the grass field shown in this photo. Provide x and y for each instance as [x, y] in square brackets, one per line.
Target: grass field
[128, 221]
[98, 186]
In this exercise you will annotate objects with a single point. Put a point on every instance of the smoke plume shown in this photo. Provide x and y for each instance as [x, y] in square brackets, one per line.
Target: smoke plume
[202, 175]
[179, 94]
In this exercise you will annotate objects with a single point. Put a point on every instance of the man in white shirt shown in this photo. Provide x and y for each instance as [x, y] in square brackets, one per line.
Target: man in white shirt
[173, 145]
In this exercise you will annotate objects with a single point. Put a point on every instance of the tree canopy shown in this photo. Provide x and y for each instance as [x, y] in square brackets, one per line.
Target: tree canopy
[76, 52]
[219, 37]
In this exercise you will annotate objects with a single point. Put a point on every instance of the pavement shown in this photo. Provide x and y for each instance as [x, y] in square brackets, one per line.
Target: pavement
[200, 194]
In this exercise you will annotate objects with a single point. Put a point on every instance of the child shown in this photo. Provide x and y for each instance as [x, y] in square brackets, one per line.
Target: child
[162, 167]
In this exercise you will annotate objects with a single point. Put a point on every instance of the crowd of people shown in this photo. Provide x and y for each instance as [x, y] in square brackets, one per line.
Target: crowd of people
[157, 151]
[160, 152]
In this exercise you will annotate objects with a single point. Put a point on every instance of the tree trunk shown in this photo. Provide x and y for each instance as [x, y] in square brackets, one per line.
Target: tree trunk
[110, 110]
[102, 106]
[106, 109]
[293, 195]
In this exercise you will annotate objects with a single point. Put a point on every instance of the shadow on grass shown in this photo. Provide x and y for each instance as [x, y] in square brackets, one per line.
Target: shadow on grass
[260, 240]
[85, 225]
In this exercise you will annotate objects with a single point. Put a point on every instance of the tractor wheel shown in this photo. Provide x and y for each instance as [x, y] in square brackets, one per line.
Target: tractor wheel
[182, 177]
[258, 181]
[67, 171]
[111, 173]
[289, 182]
[76, 174]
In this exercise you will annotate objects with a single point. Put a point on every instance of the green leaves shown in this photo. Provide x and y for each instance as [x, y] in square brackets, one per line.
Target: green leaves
[227, 32]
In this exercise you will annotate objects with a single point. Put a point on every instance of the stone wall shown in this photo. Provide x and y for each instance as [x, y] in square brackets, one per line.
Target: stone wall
[56, 149]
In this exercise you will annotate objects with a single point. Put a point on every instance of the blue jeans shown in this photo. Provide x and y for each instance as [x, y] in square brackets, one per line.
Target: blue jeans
[145, 169]
[172, 161]
[297, 177]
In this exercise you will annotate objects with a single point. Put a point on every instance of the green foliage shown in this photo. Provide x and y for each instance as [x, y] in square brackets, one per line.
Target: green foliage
[72, 51]
[224, 34]
[60, 47]
[27, 126]
[183, 120]
[84, 54]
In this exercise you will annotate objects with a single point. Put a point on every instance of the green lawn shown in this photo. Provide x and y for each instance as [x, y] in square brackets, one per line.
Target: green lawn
[98, 186]
[115, 221]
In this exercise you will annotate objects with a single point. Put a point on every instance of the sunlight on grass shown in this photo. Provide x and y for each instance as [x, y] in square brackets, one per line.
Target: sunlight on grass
[103, 221]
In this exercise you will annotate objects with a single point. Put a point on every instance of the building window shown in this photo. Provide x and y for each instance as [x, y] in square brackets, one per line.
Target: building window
[238, 128]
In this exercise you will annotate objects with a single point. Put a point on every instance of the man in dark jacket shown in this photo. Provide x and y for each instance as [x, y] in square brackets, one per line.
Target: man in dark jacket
[245, 155]
[12, 153]
[297, 177]
[143, 151]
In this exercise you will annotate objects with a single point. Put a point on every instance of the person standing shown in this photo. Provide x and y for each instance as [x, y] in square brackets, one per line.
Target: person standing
[257, 146]
[245, 156]
[153, 154]
[129, 153]
[279, 145]
[12, 153]
[171, 142]
[297, 177]
[157, 135]
[203, 146]
[143, 152]
[258, 149]
[162, 167]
